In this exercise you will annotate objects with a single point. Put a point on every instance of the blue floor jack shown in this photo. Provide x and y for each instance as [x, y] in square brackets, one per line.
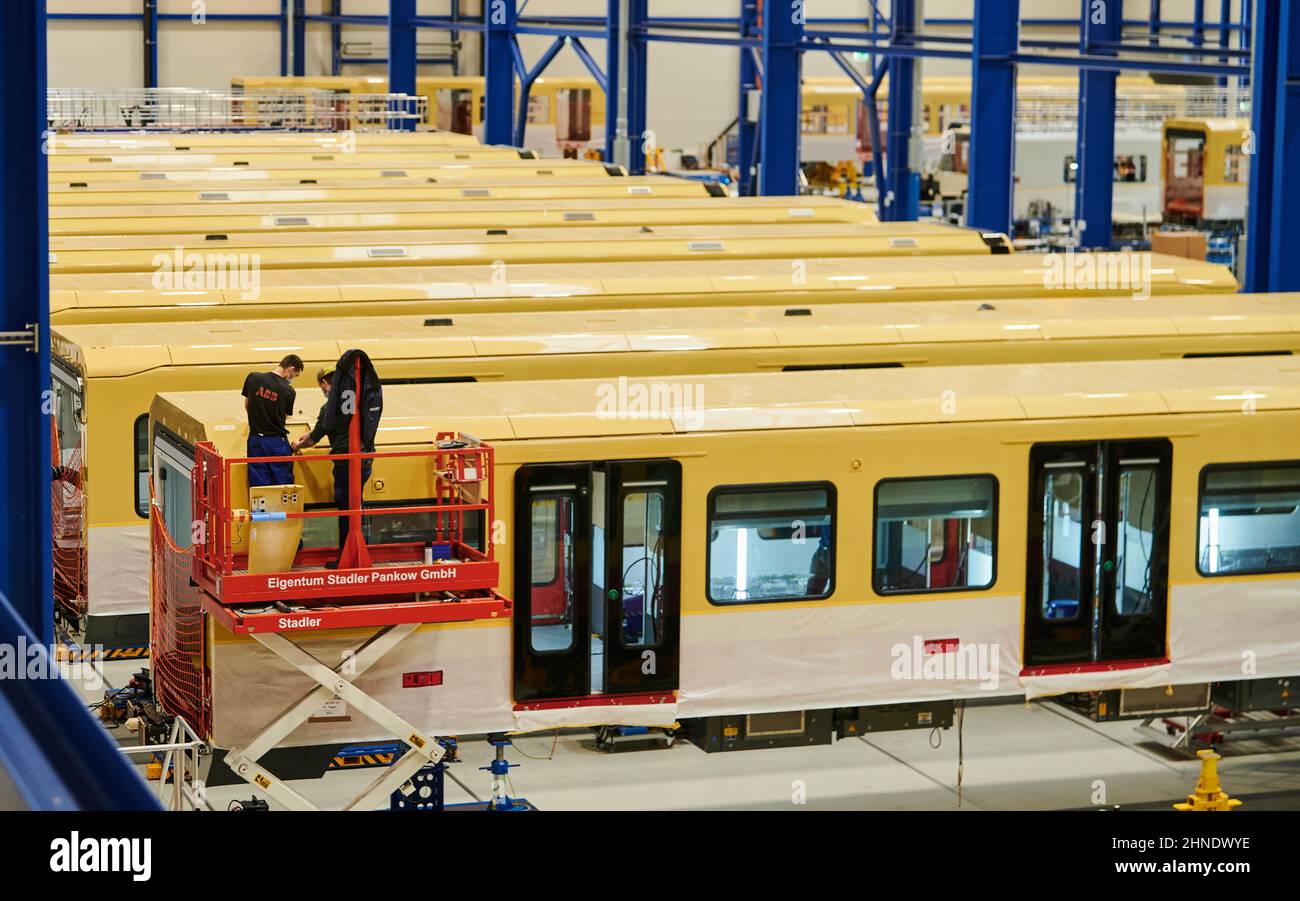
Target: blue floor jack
[426, 790]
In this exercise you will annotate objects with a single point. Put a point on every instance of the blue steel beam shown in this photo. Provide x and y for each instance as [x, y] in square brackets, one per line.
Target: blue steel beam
[499, 70]
[747, 129]
[53, 754]
[26, 564]
[1272, 238]
[778, 127]
[989, 202]
[903, 202]
[284, 37]
[526, 79]
[1094, 176]
[401, 54]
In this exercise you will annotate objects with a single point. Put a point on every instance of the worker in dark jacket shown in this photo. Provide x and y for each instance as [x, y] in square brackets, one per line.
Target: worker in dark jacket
[268, 398]
[337, 429]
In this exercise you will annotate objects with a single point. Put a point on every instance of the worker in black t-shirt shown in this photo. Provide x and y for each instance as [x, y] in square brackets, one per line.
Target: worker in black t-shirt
[268, 398]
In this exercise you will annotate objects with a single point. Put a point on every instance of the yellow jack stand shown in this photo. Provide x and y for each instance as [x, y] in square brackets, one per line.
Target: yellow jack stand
[1209, 794]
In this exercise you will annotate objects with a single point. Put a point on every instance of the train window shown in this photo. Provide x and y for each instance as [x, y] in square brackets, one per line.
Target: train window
[141, 441]
[1236, 164]
[395, 528]
[539, 109]
[173, 464]
[1249, 519]
[552, 529]
[573, 118]
[643, 567]
[934, 534]
[771, 543]
[1064, 540]
[1139, 520]
[1128, 167]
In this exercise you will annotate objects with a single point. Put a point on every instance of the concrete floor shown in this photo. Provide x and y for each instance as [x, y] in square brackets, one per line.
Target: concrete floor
[1017, 757]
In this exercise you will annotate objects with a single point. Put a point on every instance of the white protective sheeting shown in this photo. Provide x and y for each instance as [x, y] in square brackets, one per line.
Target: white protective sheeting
[758, 660]
[1223, 629]
[1085, 679]
[251, 686]
[575, 716]
[117, 565]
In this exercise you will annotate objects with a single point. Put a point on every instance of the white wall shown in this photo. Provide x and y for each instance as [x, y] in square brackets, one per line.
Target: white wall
[692, 90]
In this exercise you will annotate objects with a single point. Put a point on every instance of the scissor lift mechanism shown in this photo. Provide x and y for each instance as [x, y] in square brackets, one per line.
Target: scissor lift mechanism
[445, 591]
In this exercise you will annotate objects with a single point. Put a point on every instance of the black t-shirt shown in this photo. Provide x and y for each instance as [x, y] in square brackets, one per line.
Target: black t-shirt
[270, 401]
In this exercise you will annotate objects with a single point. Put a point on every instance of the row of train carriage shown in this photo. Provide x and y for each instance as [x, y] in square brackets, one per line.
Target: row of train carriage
[1181, 153]
[670, 380]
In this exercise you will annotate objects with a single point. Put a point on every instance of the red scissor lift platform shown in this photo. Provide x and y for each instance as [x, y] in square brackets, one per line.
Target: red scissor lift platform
[393, 588]
[374, 584]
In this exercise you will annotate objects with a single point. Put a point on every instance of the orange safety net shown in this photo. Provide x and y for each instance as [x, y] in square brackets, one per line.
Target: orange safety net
[68, 516]
[176, 622]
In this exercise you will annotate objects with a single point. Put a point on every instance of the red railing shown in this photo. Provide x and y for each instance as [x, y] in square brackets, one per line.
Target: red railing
[178, 650]
[460, 471]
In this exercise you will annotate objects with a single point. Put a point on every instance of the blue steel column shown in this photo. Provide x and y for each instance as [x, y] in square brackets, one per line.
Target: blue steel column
[778, 127]
[401, 53]
[499, 71]
[903, 203]
[284, 37]
[638, 69]
[996, 35]
[613, 60]
[299, 38]
[150, 16]
[1095, 155]
[336, 39]
[26, 564]
[747, 131]
[1272, 238]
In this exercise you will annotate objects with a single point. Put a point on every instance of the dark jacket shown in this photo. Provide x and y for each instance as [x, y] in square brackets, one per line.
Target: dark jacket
[335, 418]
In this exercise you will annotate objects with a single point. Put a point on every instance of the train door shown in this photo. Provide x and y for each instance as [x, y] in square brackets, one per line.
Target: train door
[1096, 586]
[1184, 174]
[596, 589]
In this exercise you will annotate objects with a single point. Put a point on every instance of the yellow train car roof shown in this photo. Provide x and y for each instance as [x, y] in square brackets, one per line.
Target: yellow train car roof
[280, 293]
[1212, 125]
[405, 214]
[873, 398]
[193, 159]
[334, 171]
[550, 188]
[458, 248]
[266, 141]
[123, 349]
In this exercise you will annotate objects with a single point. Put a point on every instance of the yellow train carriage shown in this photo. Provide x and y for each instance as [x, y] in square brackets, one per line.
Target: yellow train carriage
[257, 158]
[559, 187]
[1205, 167]
[943, 513]
[111, 372]
[332, 171]
[382, 291]
[565, 116]
[260, 141]
[574, 213]
[516, 246]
